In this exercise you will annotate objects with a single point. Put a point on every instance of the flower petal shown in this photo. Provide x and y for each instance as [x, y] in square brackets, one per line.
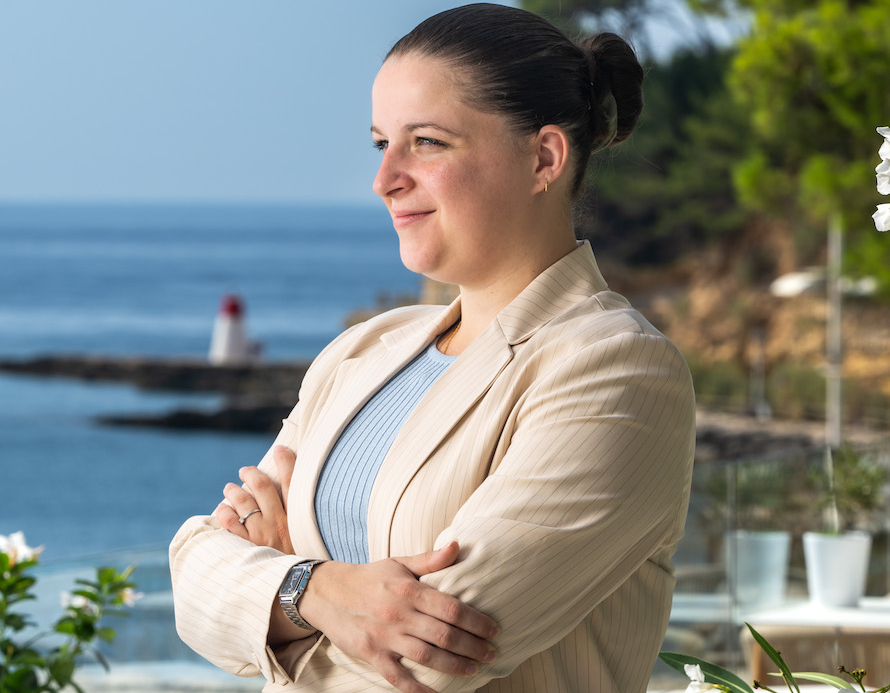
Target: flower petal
[882, 171]
[882, 218]
[694, 672]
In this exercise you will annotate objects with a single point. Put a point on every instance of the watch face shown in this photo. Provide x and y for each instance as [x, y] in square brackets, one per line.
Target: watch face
[289, 586]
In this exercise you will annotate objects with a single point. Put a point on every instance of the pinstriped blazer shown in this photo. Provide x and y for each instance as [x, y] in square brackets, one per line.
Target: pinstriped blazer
[557, 449]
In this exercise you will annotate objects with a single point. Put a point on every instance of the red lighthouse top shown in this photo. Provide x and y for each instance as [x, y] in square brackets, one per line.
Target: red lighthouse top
[231, 306]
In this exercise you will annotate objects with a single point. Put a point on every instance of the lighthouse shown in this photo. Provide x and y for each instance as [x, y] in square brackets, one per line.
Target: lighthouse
[229, 345]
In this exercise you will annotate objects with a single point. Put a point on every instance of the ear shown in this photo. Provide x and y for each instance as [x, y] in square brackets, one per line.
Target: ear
[552, 155]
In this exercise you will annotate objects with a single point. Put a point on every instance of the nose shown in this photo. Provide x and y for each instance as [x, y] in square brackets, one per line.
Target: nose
[391, 176]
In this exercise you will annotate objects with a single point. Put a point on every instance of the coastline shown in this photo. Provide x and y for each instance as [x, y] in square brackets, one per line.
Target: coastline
[257, 396]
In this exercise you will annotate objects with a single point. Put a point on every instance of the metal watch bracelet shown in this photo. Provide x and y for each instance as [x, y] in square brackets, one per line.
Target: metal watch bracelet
[289, 602]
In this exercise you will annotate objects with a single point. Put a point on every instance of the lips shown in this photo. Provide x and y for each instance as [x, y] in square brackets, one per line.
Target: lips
[404, 218]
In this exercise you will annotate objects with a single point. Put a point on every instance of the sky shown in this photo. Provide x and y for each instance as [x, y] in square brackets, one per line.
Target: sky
[197, 100]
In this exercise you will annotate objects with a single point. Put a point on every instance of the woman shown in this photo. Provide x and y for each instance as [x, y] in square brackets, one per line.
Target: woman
[501, 482]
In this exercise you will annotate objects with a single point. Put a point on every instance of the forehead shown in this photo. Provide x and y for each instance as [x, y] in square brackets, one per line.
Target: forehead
[416, 83]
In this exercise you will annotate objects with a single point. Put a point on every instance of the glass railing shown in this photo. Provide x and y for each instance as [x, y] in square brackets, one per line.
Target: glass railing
[742, 557]
[742, 554]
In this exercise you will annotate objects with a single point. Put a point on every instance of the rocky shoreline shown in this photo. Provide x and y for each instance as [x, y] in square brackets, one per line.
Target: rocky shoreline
[258, 396]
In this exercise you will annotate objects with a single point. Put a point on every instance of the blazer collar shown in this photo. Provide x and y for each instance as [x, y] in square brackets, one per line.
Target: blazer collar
[569, 280]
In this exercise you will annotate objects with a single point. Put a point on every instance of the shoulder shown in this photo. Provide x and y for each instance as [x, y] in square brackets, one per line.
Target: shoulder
[603, 336]
[602, 316]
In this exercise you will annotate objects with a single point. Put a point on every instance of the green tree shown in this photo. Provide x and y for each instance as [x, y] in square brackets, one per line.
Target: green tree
[669, 189]
[812, 77]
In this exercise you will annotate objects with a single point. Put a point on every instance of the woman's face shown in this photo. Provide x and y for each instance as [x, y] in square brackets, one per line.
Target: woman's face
[456, 181]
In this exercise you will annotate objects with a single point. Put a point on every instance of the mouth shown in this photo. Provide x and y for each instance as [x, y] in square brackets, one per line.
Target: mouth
[402, 219]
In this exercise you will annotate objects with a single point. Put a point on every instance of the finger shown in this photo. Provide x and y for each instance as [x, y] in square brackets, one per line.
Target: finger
[431, 561]
[228, 518]
[449, 610]
[432, 657]
[398, 676]
[285, 461]
[273, 529]
[240, 500]
[451, 646]
[265, 493]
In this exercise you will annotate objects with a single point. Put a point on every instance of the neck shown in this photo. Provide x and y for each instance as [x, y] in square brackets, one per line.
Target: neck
[481, 304]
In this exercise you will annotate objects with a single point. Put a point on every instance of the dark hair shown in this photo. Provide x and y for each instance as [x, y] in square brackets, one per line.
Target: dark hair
[525, 68]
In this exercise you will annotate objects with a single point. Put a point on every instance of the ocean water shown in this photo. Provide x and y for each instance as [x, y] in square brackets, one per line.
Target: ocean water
[148, 280]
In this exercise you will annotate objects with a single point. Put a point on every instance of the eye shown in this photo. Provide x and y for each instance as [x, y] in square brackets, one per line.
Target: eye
[429, 142]
[380, 145]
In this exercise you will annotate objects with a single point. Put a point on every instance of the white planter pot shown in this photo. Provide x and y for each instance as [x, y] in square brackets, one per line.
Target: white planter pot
[837, 567]
[757, 567]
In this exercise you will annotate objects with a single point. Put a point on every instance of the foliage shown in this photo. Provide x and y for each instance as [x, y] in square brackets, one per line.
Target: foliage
[24, 668]
[813, 78]
[851, 485]
[668, 190]
[794, 391]
[570, 14]
[704, 675]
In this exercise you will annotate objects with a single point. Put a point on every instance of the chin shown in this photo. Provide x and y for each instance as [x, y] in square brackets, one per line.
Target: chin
[418, 262]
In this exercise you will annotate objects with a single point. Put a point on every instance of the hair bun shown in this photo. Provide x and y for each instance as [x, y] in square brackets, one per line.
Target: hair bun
[614, 69]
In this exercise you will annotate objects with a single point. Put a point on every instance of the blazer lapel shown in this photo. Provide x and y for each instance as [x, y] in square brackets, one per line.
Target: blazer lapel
[572, 279]
[360, 379]
[455, 392]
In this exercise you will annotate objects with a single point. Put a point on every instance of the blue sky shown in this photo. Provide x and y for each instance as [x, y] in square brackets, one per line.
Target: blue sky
[195, 100]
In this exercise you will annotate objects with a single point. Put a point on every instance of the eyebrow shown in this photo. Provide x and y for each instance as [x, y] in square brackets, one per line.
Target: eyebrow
[417, 126]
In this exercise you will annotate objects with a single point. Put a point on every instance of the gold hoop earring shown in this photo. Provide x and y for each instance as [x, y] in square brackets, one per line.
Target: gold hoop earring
[546, 183]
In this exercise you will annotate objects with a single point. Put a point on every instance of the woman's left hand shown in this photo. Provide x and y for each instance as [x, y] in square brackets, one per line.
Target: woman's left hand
[262, 508]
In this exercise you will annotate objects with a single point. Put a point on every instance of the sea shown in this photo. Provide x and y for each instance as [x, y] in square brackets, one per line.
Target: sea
[147, 280]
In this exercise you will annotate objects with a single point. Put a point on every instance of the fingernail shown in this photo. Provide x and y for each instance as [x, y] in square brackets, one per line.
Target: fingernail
[493, 632]
[471, 670]
[490, 655]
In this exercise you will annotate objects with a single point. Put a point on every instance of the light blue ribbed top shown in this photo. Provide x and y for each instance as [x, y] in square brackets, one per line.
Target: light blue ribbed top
[344, 486]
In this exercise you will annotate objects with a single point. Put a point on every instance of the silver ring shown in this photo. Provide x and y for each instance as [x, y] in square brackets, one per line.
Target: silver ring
[242, 520]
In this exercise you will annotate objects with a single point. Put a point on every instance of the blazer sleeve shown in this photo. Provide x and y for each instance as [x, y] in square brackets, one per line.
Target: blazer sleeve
[224, 587]
[594, 482]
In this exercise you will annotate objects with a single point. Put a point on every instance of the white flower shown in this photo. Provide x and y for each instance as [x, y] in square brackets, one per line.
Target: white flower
[130, 597]
[18, 551]
[882, 218]
[76, 602]
[882, 171]
[697, 682]
[884, 151]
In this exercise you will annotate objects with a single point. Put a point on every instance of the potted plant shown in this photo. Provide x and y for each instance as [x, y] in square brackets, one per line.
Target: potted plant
[705, 676]
[850, 488]
[758, 548]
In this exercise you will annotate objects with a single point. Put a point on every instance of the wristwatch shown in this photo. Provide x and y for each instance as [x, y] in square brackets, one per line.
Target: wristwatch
[292, 589]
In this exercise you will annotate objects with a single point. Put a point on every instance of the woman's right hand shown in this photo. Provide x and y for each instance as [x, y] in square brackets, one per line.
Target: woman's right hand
[380, 612]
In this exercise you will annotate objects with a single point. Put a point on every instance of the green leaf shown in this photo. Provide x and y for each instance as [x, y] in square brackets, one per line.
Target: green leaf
[66, 625]
[106, 634]
[87, 594]
[62, 669]
[107, 574]
[827, 679]
[22, 681]
[774, 655]
[713, 674]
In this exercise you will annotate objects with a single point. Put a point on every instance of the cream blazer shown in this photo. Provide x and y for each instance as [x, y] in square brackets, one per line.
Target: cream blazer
[557, 449]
